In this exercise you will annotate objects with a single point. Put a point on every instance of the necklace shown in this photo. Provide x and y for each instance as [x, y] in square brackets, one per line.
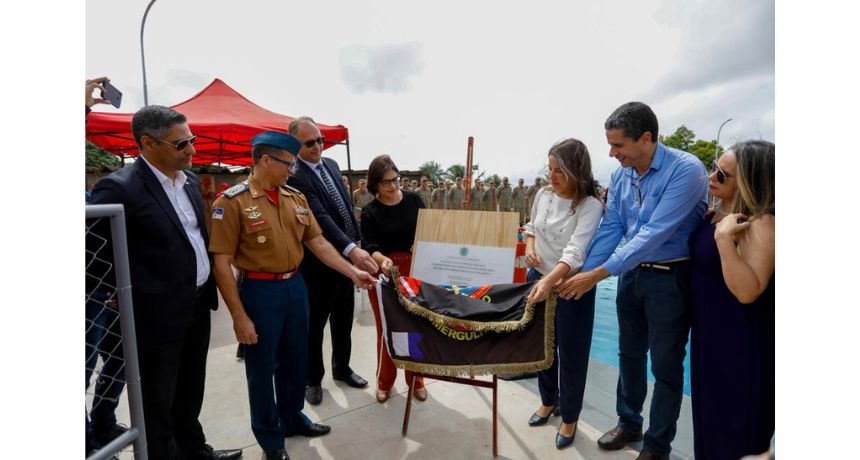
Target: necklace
[570, 212]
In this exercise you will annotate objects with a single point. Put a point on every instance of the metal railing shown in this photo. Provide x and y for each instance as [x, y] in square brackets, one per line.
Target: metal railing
[111, 347]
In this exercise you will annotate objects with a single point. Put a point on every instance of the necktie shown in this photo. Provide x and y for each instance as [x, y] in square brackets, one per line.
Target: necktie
[338, 201]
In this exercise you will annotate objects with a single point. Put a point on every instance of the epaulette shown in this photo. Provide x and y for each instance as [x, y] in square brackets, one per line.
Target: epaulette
[235, 190]
[293, 189]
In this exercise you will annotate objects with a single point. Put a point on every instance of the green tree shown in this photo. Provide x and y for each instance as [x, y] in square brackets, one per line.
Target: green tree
[455, 171]
[98, 159]
[683, 138]
[433, 171]
[706, 151]
[495, 178]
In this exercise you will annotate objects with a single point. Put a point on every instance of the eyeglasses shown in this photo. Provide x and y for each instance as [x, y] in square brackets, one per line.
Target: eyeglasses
[388, 182]
[310, 142]
[290, 164]
[179, 145]
[721, 175]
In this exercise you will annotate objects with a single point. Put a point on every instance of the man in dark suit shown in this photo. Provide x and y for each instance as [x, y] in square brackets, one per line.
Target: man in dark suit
[329, 292]
[172, 285]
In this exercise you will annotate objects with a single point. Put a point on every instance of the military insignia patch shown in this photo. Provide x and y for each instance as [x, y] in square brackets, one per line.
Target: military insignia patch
[261, 239]
[218, 213]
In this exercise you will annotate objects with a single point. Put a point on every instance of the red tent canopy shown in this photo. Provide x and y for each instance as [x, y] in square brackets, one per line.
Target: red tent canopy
[223, 120]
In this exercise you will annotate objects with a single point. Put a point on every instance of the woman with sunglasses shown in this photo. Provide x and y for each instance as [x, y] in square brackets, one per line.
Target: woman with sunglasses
[388, 226]
[564, 218]
[732, 335]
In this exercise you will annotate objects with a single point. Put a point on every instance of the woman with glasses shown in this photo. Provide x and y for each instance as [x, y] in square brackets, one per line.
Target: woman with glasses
[732, 336]
[564, 217]
[388, 226]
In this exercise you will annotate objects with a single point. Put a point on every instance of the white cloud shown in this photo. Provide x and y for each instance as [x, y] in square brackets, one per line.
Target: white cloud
[389, 68]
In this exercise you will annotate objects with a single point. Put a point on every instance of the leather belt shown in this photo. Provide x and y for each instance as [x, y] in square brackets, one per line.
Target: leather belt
[665, 267]
[270, 276]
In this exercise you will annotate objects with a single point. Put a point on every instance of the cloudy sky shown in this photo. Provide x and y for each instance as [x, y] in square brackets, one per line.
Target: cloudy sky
[414, 80]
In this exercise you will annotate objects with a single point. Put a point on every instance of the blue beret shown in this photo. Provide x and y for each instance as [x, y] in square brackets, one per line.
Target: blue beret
[278, 139]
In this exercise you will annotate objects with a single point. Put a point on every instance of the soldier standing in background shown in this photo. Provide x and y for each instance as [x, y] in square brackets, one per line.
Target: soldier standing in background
[476, 196]
[456, 194]
[439, 198]
[491, 198]
[518, 196]
[505, 204]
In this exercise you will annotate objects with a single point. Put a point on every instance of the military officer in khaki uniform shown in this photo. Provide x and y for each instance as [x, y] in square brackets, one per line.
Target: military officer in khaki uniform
[439, 198]
[261, 226]
[505, 203]
[519, 198]
[361, 197]
[476, 196]
[491, 198]
[455, 194]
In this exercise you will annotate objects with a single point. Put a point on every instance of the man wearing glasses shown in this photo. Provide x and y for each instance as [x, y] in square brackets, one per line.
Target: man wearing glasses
[173, 288]
[331, 294]
[655, 201]
[261, 225]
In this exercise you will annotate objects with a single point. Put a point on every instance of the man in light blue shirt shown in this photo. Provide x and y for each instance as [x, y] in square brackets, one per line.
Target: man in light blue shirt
[656, 199]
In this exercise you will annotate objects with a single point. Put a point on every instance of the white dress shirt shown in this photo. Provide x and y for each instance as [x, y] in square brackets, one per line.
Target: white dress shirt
[562, 235]
[175, 190]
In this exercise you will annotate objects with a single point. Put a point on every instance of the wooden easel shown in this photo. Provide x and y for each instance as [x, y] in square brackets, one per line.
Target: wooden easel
[480, 228]
[462, 381]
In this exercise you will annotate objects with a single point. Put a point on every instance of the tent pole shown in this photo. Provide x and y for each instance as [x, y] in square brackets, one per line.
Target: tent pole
[348, 168]
[122, 158]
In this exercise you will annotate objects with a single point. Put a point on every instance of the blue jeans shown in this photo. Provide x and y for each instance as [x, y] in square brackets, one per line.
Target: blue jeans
[653, 314]
[279, 310]
[103, 338]
[564, 382]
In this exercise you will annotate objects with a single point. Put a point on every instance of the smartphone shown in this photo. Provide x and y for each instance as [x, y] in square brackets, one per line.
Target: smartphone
[112, 94]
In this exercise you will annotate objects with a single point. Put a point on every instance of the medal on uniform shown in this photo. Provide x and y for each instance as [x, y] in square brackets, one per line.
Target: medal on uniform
[261, 239]
[254, 215]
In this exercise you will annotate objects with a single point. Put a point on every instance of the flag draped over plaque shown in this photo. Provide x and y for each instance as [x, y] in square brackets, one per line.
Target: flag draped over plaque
[465, 331]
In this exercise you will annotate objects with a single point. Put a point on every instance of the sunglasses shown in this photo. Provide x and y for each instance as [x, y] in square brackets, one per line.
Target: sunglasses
[179, 145]
[388, 182]
[721, 175]
[290, 164]
[310, 143]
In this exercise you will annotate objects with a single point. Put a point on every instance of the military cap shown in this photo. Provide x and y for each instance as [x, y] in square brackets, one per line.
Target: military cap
[279, 140]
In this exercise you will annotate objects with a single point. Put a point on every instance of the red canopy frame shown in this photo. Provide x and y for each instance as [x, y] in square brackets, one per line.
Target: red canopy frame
[223, 120]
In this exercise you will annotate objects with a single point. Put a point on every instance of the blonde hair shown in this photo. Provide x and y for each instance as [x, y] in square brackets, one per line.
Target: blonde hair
[756, 192]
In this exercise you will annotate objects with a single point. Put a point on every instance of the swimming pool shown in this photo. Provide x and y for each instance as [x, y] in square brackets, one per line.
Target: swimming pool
[604, 344]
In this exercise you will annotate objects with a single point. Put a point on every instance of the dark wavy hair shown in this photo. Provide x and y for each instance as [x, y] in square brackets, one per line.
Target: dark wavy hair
[575, 162]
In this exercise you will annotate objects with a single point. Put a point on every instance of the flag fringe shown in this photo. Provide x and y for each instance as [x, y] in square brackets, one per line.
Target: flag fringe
[477, 326]
[471, 370]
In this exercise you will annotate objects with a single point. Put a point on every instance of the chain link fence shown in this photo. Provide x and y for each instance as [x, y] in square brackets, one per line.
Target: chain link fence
[111, 348]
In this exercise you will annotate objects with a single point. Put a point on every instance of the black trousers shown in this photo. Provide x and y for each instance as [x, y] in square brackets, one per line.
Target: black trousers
[173, 376]
[331, 298]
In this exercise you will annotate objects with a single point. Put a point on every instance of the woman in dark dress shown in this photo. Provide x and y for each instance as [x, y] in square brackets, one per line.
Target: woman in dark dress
[387, 232]
[732, 338]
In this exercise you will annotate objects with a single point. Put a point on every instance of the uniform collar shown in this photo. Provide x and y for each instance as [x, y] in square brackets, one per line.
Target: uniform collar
[257, 190]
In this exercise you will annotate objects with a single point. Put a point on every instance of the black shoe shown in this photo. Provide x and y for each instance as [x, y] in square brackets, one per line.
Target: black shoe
[314, 430]
[240, 352]
[354, 380]
[645, 455]
[313, 394]
[114, 432]
[206, 452]
[562, 441]
[537, 420]
[280, 454]
[617, 438]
